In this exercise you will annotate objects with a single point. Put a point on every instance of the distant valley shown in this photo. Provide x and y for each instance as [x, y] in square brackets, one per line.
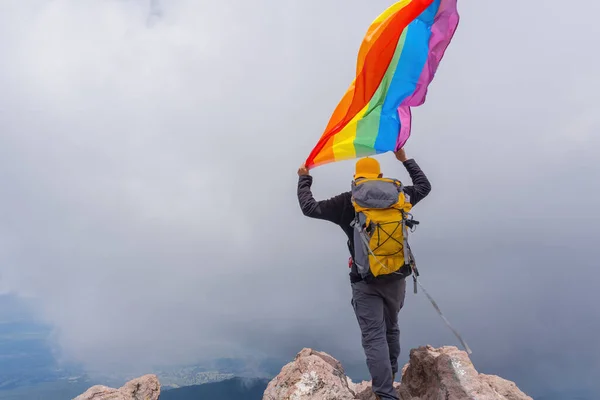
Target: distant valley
[236, 388]
[29, 370]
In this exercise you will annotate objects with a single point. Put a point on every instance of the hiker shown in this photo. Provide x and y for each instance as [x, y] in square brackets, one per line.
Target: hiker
[376, 300]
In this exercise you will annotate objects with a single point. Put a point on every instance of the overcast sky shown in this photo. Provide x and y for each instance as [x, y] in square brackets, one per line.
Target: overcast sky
[148, 157]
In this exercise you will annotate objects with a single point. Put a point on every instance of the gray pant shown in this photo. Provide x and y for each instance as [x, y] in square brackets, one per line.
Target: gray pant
[376, 306]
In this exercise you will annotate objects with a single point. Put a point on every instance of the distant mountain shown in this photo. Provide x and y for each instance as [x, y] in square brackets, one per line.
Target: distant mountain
[231, 389]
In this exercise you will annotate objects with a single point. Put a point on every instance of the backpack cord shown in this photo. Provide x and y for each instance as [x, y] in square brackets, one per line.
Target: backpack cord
[437, 308]
[443, 316]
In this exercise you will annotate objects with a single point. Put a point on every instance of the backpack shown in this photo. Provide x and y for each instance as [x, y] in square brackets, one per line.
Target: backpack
[382, 218]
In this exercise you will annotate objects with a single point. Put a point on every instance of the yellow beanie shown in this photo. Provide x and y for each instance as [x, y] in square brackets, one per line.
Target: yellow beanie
[367, 168]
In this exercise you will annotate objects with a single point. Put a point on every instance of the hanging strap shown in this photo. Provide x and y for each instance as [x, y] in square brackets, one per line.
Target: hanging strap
[437, 308]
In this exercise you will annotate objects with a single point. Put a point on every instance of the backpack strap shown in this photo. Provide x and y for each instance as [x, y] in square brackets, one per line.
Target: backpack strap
[405, 236]
[437, 308]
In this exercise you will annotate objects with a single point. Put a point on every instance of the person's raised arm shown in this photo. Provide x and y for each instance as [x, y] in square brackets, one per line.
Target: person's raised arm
[330, 210]
[420, 184]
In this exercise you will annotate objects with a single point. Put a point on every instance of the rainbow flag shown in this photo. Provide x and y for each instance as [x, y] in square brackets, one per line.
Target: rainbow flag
[397, 60]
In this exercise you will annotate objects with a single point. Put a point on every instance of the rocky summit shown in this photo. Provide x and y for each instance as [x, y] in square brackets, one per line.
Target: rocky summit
[431, 374]
[444, 373]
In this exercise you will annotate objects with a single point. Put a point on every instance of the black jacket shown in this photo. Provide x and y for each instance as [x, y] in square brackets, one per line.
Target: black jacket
[340, 211]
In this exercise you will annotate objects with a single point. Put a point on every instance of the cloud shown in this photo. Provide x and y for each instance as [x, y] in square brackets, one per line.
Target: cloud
[147, 163]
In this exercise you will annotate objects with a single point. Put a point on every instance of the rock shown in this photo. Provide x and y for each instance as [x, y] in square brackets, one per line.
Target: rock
[507, 389]
[431, 374]
[312, 375]
[448, 373]
[146, 387]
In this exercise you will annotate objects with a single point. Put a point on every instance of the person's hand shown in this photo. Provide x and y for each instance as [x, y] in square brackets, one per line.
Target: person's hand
[400, 155]
[302, 171]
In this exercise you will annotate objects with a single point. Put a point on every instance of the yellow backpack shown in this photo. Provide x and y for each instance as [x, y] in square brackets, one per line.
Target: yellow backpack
[381, 227]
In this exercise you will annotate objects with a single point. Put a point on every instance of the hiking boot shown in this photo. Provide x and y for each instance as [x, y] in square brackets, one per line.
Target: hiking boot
[393, 380]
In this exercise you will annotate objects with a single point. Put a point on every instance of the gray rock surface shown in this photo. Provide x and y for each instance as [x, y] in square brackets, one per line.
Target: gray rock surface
[146, 387]
[448, 373]
[445, 373]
